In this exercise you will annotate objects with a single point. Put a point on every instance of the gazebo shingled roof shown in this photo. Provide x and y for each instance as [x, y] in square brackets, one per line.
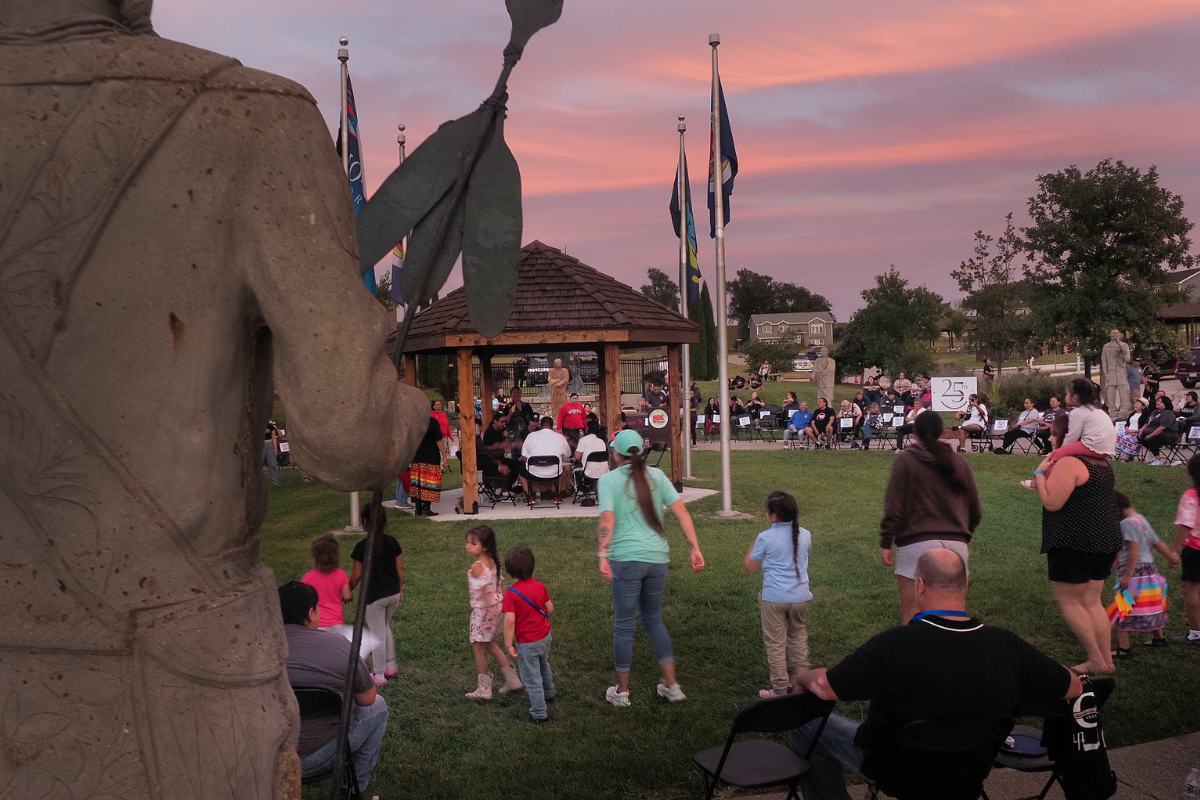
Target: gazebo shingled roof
[560, 300]
[561, 304]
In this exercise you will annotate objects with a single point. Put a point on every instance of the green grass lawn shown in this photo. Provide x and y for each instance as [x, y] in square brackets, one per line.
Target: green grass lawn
[441, 745]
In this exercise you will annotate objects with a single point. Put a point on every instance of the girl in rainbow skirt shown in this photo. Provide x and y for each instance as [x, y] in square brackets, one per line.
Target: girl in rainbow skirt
[1137, 573]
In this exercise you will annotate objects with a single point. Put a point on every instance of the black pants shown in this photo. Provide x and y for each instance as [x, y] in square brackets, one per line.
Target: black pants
[1010, 438]
[1156, 443]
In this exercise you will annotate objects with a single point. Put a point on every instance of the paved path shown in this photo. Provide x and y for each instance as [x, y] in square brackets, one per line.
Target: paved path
[1154, 770]
[507, 511]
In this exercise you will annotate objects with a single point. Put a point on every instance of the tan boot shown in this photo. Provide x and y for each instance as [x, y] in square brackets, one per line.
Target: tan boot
[512, 681]
[484, 690]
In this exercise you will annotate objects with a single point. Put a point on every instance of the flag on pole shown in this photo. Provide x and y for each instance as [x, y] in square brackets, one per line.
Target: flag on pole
[354, 171]
[693, 266]
[397, 268]
[729, 168]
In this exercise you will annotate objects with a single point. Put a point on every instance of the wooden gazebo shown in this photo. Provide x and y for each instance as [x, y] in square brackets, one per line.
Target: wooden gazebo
[561, 303]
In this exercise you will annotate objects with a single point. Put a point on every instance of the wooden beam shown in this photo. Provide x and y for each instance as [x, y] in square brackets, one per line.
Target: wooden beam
[679, 393]
[537, 338]
[466, 428]
[410, 369]
[485, 389]
[610, 388]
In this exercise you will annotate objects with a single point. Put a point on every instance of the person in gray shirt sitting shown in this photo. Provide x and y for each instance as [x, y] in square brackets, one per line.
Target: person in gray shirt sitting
[319, 658]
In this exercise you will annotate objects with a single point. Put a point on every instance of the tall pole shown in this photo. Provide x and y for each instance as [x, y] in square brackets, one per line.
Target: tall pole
[685, 391]
[717, 176]
[344, 56]
[400, 141]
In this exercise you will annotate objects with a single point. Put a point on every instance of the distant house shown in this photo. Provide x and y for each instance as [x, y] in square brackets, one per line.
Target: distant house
[813, 327]
[1189, 281]
[1184, 318]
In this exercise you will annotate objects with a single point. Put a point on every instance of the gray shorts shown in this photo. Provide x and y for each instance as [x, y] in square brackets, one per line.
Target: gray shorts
[906, 556]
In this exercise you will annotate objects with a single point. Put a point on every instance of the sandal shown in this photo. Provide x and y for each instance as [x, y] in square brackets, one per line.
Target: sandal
[1157, 641]
[1122, 652]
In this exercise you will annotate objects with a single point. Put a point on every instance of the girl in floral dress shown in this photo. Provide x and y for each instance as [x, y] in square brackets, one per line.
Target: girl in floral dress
[483, 580]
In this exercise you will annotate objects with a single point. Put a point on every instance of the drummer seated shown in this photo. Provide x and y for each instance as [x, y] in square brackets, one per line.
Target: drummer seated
[544, 442]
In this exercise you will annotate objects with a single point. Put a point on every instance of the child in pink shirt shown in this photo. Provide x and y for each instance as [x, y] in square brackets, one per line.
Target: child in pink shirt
[331, 581]
[1090, 432]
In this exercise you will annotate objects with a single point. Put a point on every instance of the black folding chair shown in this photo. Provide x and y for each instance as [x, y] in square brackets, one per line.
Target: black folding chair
[536, 483]
[768, 422]
[586, 484]
[319, 703]
[1029, 753]
[946, 759]
[761, 763]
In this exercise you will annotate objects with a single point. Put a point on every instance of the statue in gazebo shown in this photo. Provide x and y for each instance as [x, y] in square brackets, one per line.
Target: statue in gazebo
[557, 381]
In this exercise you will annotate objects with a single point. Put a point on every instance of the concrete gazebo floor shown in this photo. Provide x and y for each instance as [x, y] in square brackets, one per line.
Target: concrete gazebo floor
[543, 510]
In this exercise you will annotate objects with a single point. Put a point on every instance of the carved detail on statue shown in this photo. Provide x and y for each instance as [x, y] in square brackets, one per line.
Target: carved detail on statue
[1114, 382]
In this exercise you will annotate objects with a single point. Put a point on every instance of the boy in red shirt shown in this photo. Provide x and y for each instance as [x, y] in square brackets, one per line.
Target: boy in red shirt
[527, 609]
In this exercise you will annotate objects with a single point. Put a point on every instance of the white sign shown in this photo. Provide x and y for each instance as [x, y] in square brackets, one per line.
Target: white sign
[1120, 426]
[887, 419]
[898, 411]
[1000, 426]
[716, 418]
[846, 423]
[950, 394]
[744, 422]
[764, 414]
[284, 447]
[700, 421]
[1194, 433]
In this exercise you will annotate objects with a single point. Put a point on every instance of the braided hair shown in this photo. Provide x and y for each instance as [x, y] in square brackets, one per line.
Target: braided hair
[784, 508]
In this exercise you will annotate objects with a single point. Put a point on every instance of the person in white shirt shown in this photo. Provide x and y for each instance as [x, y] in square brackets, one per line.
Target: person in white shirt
[974, 421]
[592, 443]
[1024, 428]
[544, 442]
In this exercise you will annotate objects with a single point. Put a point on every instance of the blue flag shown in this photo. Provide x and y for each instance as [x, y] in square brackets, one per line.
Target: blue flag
[693, 266]
[354, 170]
[729, 168]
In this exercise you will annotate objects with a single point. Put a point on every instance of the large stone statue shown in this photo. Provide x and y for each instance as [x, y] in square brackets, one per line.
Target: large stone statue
[557, 381]
[177, 244]
[1114, 383]
[823, 375]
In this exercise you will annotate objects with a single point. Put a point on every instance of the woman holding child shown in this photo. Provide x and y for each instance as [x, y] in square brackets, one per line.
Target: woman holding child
[634, 555]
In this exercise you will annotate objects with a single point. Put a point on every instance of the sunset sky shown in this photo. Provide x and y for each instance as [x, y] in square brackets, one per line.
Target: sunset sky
[868, 133]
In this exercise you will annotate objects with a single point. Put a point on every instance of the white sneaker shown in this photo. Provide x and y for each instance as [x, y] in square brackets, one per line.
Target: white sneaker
[672, 693]
[617, 698]
[1156, 463]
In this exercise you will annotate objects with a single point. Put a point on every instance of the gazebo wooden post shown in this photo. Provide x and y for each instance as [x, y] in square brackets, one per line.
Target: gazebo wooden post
[610, 388]
[679, 394]
[485, 389]
[410, 369]
[466, 428]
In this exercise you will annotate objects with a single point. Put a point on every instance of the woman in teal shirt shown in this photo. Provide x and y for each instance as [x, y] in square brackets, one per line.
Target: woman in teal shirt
[633, 558]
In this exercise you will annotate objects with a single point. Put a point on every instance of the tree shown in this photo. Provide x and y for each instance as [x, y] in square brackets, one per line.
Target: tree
[1098, 253]
[751, 293]
[895, 331]
[713, 355]
[996, 294]
[661, 288]
[779, 353]
[956, 324]
[383, 291]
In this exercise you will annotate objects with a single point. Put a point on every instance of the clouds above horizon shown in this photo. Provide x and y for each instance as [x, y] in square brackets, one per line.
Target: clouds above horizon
[869, 134]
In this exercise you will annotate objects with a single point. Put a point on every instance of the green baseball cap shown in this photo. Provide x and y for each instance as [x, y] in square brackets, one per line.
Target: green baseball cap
[628, 441]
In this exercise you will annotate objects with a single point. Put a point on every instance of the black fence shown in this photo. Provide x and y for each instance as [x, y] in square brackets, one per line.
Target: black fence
[535, 374]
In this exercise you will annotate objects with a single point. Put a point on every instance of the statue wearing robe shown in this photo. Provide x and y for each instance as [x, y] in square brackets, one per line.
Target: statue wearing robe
[557, 381]
[1114, 383]
[823, 374]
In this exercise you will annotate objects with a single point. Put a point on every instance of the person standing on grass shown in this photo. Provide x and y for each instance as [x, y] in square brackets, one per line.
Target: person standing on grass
[1187, 548]
[384, 594]
[783, 550]
[1081, 535]
[931, 502]
[527, 608]
[483, 583]
[634, 555]
[1137, 573]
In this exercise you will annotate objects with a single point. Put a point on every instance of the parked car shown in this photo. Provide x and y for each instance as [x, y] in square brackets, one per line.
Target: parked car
[1188, 372]
[801, 364]
[538, 371]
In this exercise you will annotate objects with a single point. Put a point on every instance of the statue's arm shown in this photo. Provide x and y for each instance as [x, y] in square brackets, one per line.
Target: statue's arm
[353, 424]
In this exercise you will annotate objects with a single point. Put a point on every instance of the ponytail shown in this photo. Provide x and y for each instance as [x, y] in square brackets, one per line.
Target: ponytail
[784, 508]
[928, 429]
[641, 486]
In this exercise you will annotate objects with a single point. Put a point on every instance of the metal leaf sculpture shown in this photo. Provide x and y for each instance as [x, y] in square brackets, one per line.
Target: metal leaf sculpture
[464, 190]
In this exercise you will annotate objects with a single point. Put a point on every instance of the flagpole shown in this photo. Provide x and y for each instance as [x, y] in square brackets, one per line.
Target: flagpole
[685, 391]
[400, 141]
[343, 55]
[717, 174]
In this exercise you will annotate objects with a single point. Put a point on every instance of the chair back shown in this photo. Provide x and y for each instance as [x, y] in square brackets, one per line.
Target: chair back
[317, 702]
[947, 759]
[776, 715]
[598, 457]
[546, 461]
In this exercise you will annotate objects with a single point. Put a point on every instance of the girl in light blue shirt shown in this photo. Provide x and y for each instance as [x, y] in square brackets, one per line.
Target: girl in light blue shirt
[782, 551]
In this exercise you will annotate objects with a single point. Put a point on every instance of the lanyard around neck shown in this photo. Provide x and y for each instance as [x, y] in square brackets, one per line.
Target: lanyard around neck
[937, 612]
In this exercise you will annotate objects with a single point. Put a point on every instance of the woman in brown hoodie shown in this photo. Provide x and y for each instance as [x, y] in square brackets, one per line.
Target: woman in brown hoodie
[931, 501]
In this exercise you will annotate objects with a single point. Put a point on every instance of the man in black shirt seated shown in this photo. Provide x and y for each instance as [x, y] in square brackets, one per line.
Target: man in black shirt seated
[517, 416]
[944, 665]
[653, 397]
[495, 438]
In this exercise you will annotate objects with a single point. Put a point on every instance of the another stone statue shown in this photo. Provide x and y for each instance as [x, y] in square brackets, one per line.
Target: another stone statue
[153, 300]
[557, 381]
[576, 384]
[1114, 385]
[824, 375]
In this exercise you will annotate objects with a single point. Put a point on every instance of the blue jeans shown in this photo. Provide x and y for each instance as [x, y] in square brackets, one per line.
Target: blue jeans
[272, 461]
[638, 585]
[533, 662]
[401, 495]
[366, 737]
[835, 749]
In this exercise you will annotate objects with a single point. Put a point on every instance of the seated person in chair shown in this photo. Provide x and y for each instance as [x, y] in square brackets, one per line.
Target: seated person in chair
[1024, 428]
[755, 404]
[822, 422]
[495, 438]
[942, 665]
[318, 659]
[973, 422]
[871, 426]
[798, 422]
[1042, 437]
[517, 416]
[1161, 430]
[545, 442]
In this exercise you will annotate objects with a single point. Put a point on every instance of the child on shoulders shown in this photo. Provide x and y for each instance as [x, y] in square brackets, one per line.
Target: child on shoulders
[527, 609]
[783, 550]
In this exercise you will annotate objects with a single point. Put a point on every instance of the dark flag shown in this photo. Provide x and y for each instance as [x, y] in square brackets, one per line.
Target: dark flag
[354, 170]
[729, 168]
[693, 266]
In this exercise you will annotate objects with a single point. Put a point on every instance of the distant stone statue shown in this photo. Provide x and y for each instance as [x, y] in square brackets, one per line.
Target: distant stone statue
[152, 303]
[557, 381]
[824, 375]
[1114, 384]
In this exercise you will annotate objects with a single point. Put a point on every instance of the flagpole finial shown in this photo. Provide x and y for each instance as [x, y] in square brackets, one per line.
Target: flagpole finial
[400, 136]
[714, 39]
[682, 126]
[343, 53]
